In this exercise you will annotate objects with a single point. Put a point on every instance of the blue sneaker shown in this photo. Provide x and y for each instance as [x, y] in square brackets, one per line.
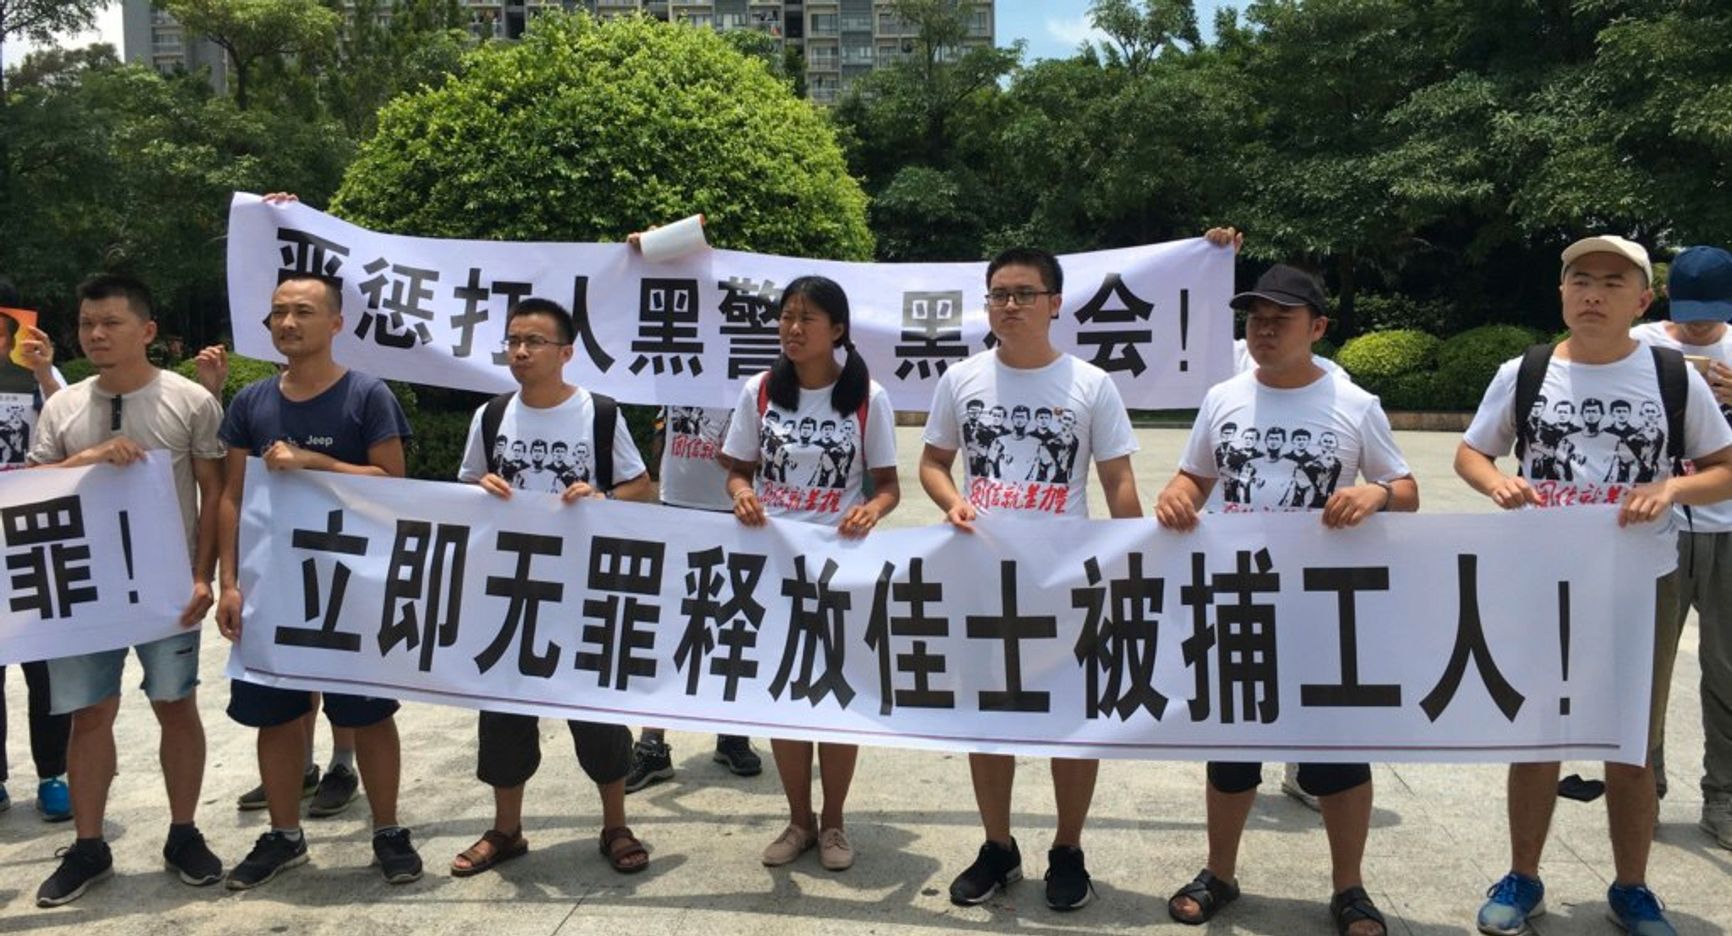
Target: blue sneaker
[54, 800]
[1510, 904]
[1636, 910]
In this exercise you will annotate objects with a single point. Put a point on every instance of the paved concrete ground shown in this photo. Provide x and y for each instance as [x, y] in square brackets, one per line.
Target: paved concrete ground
[1438, 839]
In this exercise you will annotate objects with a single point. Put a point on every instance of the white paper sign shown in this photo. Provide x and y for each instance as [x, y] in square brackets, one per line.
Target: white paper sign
[95, 559]
[1411, 638]
[689, 331]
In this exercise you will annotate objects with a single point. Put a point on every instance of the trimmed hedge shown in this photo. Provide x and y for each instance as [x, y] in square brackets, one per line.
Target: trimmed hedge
[1467, 362]
[1397, 365]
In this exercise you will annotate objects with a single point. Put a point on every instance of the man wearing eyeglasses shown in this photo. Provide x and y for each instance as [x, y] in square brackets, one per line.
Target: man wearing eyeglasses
[314, 416]
[1025, 374]
[130, 408]
[538, 345]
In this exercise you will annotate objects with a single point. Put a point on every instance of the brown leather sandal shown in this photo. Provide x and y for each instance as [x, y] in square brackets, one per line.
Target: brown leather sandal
[493, 848]
[621, 859]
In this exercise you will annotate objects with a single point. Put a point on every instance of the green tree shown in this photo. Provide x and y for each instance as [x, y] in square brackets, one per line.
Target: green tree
[126, 169]
[420, 43]
[586, 131]
[1140, 30]
[41, 21]
[255, 31]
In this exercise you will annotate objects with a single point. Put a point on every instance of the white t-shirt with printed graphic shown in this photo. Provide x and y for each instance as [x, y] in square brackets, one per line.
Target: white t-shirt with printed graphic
[1709, 518]
[811, 464]
[1284, 449]
[692, 437]
[20, 401]
[1598, 429]
[548, 449]
[1027, 435]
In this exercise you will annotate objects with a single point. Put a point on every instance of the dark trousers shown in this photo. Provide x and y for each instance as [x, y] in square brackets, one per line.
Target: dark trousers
[49, 733]
[510, 749]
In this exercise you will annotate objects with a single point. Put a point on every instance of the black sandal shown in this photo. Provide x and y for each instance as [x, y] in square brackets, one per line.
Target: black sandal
[1210, 894]
[1354, 905]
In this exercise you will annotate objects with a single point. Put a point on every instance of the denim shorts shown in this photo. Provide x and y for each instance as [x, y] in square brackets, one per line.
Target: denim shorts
[170, 673]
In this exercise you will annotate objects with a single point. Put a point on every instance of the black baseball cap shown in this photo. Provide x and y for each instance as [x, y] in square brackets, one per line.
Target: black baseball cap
[1288, 286]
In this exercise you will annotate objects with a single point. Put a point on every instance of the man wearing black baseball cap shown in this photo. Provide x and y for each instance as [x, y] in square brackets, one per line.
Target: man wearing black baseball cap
[1287, 396]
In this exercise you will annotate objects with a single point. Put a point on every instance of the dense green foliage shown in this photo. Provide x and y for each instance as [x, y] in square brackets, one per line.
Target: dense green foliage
[1397, 365]
[586, 132]
[1429, 159]
[1466, 362]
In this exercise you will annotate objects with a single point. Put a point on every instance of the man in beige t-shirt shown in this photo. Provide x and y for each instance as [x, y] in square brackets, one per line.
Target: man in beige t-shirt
[131, 407]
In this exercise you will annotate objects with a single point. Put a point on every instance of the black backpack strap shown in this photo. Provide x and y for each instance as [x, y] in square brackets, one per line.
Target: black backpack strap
[606, 424]
[1674, 376]
[491, 417]
[1529, 378]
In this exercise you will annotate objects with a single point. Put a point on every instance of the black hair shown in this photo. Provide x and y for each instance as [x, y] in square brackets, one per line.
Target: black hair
[11, 327]
[333, 286]
[1051, 274]
[535, 306]
[118, 286]
[851, 388]
[9, 293]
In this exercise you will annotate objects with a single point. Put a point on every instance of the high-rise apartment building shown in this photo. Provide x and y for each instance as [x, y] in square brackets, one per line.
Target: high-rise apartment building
[841, 39]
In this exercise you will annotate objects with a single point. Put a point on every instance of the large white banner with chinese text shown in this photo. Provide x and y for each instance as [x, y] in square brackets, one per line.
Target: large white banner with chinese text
[95, 559]
[688, 332]
[1412, 638]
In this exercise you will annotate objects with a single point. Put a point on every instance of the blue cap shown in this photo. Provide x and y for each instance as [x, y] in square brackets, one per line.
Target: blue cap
[1699, 285]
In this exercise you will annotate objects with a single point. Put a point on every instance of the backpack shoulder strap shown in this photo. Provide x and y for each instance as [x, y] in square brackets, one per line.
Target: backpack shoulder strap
[1671, 368]
[491, 417]
[606, 424]
[1529, 378]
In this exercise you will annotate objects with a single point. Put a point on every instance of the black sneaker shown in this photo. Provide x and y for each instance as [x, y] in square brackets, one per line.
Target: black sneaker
[651, 762]
[255, 797]
[337, 789]
[993, 870]
[82, 864]
[396, 856]
[736, 751]
[1067, 881]
[188, 855]
[272, 854]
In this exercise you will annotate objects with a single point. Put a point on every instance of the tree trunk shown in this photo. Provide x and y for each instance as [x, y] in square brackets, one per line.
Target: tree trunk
[1346, 323]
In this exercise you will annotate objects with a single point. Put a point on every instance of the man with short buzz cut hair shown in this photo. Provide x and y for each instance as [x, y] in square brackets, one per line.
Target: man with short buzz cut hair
[1604, 288]
[128, 409]
[538, 338]
[1025, 372]
[316, 415]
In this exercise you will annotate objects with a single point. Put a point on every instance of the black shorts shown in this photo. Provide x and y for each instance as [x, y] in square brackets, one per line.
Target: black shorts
[1315, 779]
[257, 706]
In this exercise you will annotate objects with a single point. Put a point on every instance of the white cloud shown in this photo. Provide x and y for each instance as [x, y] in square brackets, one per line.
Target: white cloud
[1073, 31]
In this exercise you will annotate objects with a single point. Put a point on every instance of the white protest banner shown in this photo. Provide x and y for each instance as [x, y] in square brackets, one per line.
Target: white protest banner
[95, 559]
[1411, 638]
[688, 332]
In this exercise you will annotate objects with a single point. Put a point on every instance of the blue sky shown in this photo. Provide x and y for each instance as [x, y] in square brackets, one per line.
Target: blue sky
[1054, 28]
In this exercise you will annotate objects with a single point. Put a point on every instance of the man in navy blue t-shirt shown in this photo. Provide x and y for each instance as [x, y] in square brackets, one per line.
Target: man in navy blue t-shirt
[316, 416]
